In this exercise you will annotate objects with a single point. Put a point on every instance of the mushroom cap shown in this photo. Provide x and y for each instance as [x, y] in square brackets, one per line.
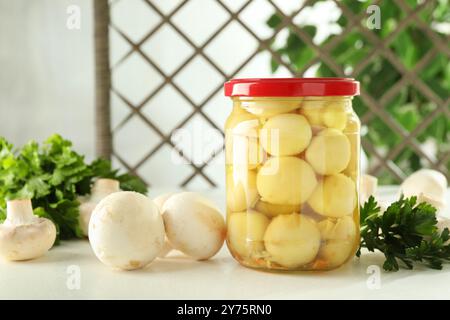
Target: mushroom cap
[241, 188]
[269, 107]
[272, 210]
[329, 152]
[336, 252]
[439, 204]
[336, 113]
[431, 183]
[368, 187]
[286, 180]
[126, 230]
[194, 225]
[313, 111]
[340, 240]
[292, 240]
[241, 140]
[341, 229]
[286, 134]
[335, 196]
[161, 199]
[246, 232]
[442, 224]
[26, 241]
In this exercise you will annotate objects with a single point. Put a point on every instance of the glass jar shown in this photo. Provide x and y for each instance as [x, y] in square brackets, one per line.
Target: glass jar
[292, 169]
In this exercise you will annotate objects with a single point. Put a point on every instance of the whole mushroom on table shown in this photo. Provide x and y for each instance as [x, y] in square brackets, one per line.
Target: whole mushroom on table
[24, 236]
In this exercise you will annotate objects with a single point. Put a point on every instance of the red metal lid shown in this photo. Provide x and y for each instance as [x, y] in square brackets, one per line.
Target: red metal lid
[291, 87]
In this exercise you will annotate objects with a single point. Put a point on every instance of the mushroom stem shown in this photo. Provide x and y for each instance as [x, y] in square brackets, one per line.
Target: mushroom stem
[104, 187]
[19, 212]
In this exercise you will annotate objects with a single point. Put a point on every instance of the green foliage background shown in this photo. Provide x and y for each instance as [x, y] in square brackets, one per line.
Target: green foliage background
[409, 107]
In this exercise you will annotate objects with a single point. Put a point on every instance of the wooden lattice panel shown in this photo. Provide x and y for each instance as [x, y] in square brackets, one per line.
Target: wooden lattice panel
[162, 80]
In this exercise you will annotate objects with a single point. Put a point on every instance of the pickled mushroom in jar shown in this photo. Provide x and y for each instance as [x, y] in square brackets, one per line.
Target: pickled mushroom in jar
[352, 132]
[292, 240]
[337, 229]
[246, 232]
[238, 117]
[241, 188]
[336, 252]
[329, 152]
[285, 135]
[339, 237]
[271, 210]
[285, 180]
[334, 196]
[312, 110]
[335, 114]
[331, 112]
[292, 172]
[241, 140]
[269, 107]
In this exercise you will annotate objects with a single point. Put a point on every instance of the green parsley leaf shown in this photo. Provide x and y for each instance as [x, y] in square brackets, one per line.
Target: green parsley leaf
[53, 176]
[406, 233]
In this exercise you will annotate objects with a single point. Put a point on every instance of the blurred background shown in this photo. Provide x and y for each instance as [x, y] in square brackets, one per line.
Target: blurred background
[169, 59]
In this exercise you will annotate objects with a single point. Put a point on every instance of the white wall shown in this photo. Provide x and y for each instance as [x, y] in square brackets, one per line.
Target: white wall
[46, 78]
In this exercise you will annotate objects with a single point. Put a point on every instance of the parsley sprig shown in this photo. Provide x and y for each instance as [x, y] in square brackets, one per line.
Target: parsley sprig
[406, 232]
[53, 175]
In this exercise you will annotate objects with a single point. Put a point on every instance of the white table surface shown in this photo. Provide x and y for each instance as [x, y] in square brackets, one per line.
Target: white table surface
[176, 277]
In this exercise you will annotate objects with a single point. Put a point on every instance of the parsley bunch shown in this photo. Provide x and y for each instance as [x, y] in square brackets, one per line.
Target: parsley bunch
[406, 232]
[53, 175]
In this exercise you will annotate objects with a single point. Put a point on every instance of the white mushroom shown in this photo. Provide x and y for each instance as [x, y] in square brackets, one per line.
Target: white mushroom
[292, 240]
[241, 188]
[194, 225]
[24, 236]
[335, 196]
[126, 230]
[100, 189]
[246, 232]
[439, 204]
[339, 240]
[166, 249]
[159, 201]
[369, 185]
[428, 185]
[442, 224]
[329, 152]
